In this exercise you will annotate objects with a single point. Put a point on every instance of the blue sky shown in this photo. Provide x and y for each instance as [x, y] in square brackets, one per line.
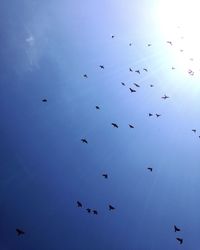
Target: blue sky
[45, 49]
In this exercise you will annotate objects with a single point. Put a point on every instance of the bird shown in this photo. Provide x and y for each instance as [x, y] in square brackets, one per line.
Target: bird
[150, 169]
[165, 97]
[151, 85]
[194, 130]
[137, 85]
[181, 50]
[101, 66]
[157, 115]
[95, 212]
[19, 232]
[132, 90]
[112, 36]
[137, 71]
[130, 70]
[150, 114]
[97, 107]
[88, 210]
[85, 75]
[173, 68]
[180, 240]
[44, 100]
[111, 207]
[176, 229]
[79, 204]
[105, 176]
[130, 44]
[149, 44]
[114, 125]
[84, 141]
[123, 83]
[145, 69]
[169, 42]
[131, 126]
[190, 72]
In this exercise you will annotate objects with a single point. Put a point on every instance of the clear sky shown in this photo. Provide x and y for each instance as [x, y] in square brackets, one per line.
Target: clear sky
[45, 49]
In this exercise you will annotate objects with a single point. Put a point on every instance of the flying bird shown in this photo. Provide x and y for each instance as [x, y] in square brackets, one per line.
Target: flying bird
[137, 71]
[180, 240]
[19, 232]
[130, 44]
[150, 169]
[173, 68]
[145, 69]
[105, 176]
[194, 130]
[181, 50]
[115, 125]
[169, 42]
[85, 76]
[88, 210]
[131, 126]
[137, 85]
[149, 44]
[165, 97]
[157, 115]
[190, 72]
[151, 85]
[101, 66]
[112, 36]
[44, 100]
[150, 114]
[97, 107]
[95, 212]
[176, 229]
[84, 141]
[111, 207]
[130, 70]
[79, 204]
[132, 90]
[123, 83]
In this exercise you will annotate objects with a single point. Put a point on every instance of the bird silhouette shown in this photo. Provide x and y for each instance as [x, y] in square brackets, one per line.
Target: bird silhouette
[114, 125]
[150, 114]
[130, 70]
[158, 115]
[169, 42]
[97, 107]
[123, 83]
[105, 176]
[150, 169]
[151, 85]
[180, 240]
[176, 229]
[85, 75]
[19, 232]
[181, 50]
[137, 85]
[145, 69]
[149, 44]
[137, 71]
[173, 68]
[130, 44]
[101, 66]
[44, 100]
[194, 130]
[84, 141]
[132, 90]
[79, 204]
[112, 36]
[89, 210]
[190, 72]
[111, 207]
[95, 212]
[131, 126]
[165, 97]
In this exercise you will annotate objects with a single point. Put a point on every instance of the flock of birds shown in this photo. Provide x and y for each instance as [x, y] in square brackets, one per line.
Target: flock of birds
[21, 232]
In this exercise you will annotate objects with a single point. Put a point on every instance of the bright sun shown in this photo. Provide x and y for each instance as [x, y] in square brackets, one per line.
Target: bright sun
[180, 23]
